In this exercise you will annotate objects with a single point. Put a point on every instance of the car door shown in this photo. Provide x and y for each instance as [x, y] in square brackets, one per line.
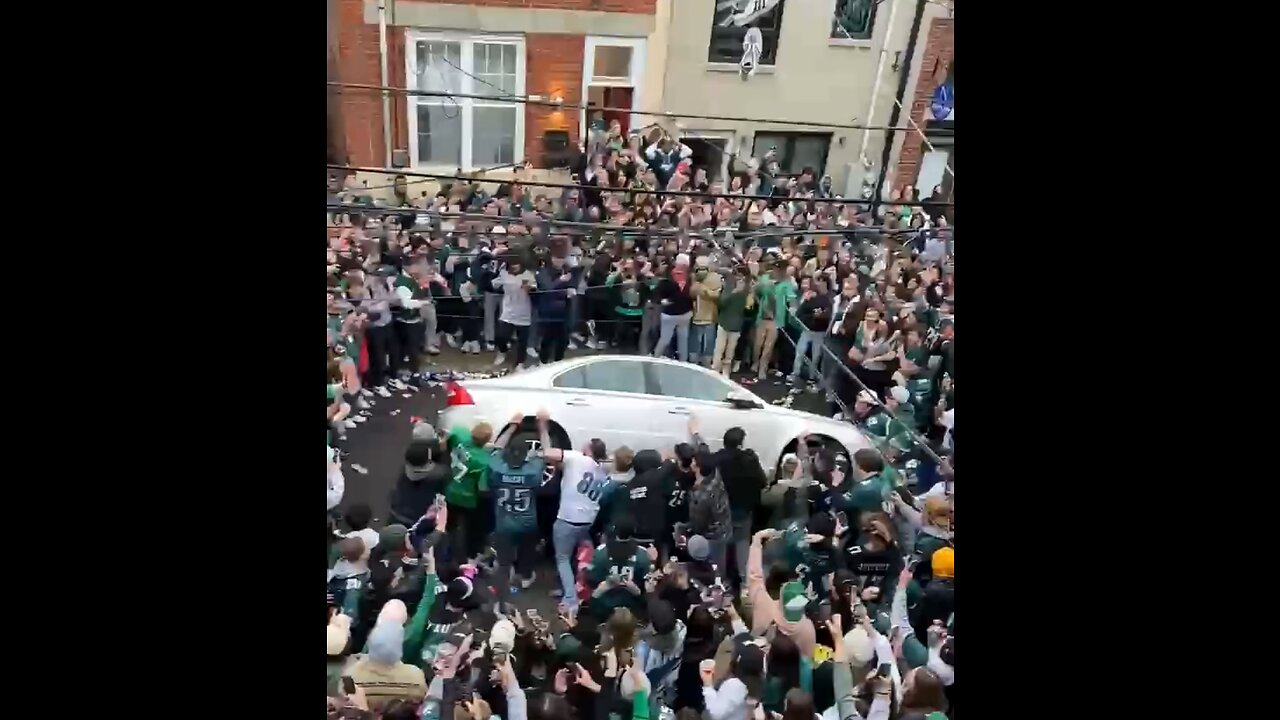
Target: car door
[606, 398]
[693, 390]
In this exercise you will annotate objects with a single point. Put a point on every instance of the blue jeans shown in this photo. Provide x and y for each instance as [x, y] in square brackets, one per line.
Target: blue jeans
[810, 343]
[702, 341]
[679, 325]
[566, 537]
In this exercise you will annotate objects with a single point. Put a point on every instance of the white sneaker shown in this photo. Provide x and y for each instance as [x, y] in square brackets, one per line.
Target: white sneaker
[358, 419]
[396, 383]
[490, 347]
[366, 392]
[433, 350]
[578, 337]
[534, 354]
[838, 416]
[526, 583]
[451, 341]
[501, 359]
[349, 424]
[362, 404]
[573, 345]
[736, 365]
[382, 391]
[591, 344]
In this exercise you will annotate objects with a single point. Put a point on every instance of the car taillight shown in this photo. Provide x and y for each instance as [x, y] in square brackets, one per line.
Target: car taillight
[458, 395]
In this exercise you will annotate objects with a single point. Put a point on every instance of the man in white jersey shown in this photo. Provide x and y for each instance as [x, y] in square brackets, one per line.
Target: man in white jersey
[584, 481]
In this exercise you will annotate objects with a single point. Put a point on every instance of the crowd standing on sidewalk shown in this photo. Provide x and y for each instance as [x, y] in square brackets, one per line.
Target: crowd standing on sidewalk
[826, 591]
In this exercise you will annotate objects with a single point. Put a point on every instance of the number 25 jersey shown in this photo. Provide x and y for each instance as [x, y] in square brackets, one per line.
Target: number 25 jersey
[513, 492]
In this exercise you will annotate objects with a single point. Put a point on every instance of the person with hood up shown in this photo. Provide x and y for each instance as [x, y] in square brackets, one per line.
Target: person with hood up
[642, 500]
[426, 472]
[381, 674]
[744, 480]
[787, 610]
[617, 571]
[660, 649]
[395, 569]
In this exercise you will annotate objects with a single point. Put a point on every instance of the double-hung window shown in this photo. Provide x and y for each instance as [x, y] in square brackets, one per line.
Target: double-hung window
[470, 133]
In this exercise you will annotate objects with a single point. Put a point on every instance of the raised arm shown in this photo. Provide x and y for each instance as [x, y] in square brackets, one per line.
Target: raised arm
[549, 453]
[505, 436]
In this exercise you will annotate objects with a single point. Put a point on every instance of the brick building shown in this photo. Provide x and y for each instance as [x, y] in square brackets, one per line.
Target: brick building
[933, 110]
[575, 50]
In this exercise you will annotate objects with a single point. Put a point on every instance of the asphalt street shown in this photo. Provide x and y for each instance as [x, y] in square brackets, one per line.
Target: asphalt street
[377, 445]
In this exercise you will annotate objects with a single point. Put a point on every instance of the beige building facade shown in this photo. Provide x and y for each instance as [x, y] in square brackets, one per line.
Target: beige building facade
[809, 69]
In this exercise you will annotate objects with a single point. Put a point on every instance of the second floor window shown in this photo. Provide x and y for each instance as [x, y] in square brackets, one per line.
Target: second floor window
[726, 36]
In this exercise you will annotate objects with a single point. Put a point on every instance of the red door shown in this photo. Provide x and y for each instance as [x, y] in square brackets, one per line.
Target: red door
[618, 97]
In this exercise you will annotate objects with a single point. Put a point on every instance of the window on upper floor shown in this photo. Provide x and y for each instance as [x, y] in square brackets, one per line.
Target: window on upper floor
[465, 132]
[853, 19]
[729, 26]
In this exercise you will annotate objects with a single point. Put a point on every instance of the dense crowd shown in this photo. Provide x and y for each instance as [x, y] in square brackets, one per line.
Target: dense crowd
[692, 583]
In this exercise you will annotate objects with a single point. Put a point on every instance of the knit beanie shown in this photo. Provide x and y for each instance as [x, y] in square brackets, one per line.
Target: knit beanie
[794, 601]
[386, 642]
[503, 636]
[392, 537]
[944, 563]
[339, 634]
[858, 647]
[394, 611]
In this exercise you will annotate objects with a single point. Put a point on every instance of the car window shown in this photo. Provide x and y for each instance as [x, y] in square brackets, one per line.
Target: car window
[614, 375]
[682, 382]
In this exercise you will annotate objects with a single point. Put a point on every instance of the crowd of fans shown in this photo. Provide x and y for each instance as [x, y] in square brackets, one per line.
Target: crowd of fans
[692, 583]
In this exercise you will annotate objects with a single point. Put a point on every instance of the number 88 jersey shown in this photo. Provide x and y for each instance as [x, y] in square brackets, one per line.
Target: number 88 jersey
[583, 485]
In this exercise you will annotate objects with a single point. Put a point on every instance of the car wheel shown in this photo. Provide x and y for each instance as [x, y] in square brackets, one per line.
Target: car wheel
[528, 434]
[817, 442]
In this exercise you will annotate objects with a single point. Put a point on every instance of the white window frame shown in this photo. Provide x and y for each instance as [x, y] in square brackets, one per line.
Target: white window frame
[466, 106]
[634, 79]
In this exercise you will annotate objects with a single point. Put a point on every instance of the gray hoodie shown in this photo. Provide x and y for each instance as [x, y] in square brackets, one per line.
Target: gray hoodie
[517, 309]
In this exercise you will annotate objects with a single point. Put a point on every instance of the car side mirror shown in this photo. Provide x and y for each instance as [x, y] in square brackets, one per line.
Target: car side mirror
[742, 402]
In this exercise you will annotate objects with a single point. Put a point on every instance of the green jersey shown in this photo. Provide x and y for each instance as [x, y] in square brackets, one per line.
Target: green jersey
[517, 508]
[870, 495]
[470, 464]
[812, 565]
[602, 567]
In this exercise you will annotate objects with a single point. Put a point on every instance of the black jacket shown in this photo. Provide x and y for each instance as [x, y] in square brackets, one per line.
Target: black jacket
[938, 603]
[811, 317]
[411, 497]
[681, 300]
[743, 479]
[643, 498]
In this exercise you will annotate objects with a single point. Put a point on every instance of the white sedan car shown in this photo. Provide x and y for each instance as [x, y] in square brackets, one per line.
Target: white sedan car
[643, 403]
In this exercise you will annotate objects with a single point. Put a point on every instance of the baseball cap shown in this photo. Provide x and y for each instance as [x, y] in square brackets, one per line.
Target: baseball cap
[794, 601]
[900, 394]
[699, 548]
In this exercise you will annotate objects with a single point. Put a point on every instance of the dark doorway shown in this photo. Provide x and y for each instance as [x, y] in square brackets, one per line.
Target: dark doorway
[708, 153]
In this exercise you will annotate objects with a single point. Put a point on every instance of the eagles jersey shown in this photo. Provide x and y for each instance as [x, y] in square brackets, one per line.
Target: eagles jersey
[812, 565]
[513, 490]
[582, 485]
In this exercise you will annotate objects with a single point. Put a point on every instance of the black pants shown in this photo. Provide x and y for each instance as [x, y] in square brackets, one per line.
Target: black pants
[555, 339]
[601, 311]
[503, 338]
[518, 551]
[411, 336]
[626, 331]
[472, 315]
[384, 353]
[746, 345]
[446, 308]
[467, 527]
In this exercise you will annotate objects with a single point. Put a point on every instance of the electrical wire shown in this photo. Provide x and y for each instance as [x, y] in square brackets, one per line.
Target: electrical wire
[528, 100]
[605, 189]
